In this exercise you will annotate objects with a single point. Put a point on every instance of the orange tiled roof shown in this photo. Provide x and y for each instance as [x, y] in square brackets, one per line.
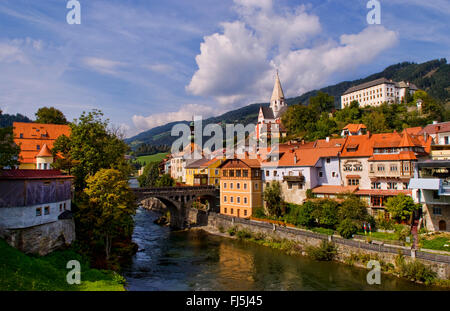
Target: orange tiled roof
[403, 155]
[45, 152]
[30, 135]
[382, 192]
[353, 128]
[334, 189]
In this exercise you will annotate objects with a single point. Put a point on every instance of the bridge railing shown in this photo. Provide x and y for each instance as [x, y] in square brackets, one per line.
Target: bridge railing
[175, 189]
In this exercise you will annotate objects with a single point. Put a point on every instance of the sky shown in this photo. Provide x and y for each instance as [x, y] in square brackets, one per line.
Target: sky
[145, 63]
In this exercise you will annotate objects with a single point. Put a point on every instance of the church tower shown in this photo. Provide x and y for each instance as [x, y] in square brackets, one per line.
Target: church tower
[277, 103]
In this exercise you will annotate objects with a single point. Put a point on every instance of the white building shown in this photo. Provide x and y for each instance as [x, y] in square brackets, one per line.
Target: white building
[376, 92]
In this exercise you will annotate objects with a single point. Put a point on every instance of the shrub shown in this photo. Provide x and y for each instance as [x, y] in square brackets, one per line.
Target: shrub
[325, 252]
[401, 232]
[259, 213]
[309, 194]
[232, 231]
[415, 270]
[243, 234]
[221, 229]
[305, 214]
[384, 224]
[347, 228]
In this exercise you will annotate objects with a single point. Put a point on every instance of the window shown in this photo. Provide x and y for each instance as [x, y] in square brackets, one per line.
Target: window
[405, 185]
[394, 168]
[232, 211]
[256, 186]
[231, 201]
[245, 186]
[47, 210]
[225, 210]
[238, 200]
[328, 160]
[380, 168]
[446, 140]
[437, 211]
[392, 185]
[406, 167]
[60, 207]
[238, 185]
[267, 173]
[376, 185]
[353, 182]
[347, 168]
[245, 212]
[21, 135]
[231, 185]
[231, 172]
[216, 181]
[357, 167]
[245, 173]
[216, 172]
[334, 174]
[275, 173]
[224, 185]
[38, 212]
[225, 173]
[245, 200]
[38, 147]
[375, 201]
[225, 198]
[238, 173]
[289, 185]
[320, 174]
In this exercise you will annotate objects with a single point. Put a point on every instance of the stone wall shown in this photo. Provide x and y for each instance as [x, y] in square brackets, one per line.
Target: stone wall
[345, 248]
[42, 239]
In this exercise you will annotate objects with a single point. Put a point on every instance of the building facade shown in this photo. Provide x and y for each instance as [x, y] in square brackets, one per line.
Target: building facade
[35, 210]
[240, 187]
[377, 92]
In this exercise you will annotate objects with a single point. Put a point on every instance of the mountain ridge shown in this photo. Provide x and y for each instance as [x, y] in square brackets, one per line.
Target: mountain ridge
[432, 76]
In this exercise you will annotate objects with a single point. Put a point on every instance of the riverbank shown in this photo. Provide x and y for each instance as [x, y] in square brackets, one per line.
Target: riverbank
[396, 261]
[21, 272]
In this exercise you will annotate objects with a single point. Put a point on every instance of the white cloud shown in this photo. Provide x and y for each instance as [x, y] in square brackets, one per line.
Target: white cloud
[185, 113]
[103, 65]
[237, 66]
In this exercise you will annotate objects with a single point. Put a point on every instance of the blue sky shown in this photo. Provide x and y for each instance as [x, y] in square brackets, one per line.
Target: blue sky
[145, 63]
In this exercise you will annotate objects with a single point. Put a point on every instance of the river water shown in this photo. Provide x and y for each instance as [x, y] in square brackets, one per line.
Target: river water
[196, 260]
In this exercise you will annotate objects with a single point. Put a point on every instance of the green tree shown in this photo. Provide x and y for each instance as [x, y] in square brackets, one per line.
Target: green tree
[165, 181]
[327, 213]
[272, 197]
[347, 228]
[305, 215]
[375, 122]
[350, 114]
[150, 175]
[110, 208]
[297, 118]
[322, 102]
[9, 151]
[353, 208]
[92, 146]
[401, 207]
[50, 115]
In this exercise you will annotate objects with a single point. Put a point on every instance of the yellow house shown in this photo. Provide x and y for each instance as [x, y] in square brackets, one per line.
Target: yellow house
[195, 174]
[213, 171]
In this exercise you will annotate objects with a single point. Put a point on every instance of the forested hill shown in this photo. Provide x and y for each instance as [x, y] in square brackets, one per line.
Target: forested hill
[432, 76]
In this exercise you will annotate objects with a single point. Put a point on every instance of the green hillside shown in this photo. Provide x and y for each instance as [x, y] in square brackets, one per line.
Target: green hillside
[20, 272]
[151, 158]
[432, 76]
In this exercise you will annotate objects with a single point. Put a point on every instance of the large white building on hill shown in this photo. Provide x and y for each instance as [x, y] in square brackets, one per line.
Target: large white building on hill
[376, 92]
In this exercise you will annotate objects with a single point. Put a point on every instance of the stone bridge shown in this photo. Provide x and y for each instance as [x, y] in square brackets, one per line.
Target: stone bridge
[179, 200]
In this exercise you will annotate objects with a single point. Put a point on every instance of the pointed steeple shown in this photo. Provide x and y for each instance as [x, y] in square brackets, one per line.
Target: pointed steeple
[277, 93]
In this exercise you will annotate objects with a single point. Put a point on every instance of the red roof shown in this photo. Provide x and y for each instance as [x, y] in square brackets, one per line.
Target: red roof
[382, 192]
[335, 189]
[402, 156]
[354, 128]
[436, 128]
[45, 152]
[33, 174]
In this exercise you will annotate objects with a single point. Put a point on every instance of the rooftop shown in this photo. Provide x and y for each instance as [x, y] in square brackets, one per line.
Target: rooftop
[33, 174]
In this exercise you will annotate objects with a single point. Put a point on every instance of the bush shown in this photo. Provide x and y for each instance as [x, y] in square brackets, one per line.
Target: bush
[305, 214]
[232, 231]
[347, 228]
[325, 252]
[384, 224]
[221, 229]
[415, 270]
[243, 234]
[401, 232]
[259, 213]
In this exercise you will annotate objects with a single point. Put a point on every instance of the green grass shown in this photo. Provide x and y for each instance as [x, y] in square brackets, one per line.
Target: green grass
[152, 158]
[21, 272]
[437, 243]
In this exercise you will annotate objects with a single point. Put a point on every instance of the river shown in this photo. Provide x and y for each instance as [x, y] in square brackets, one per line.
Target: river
[196, 260]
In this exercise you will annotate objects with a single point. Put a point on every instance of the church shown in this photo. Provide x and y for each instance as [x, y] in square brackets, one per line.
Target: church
[269, 118]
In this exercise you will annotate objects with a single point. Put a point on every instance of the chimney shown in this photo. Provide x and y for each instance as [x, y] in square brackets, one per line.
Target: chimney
[289, 143]
[295, 158]
[435, 122]
[303, 141]
[328, 139]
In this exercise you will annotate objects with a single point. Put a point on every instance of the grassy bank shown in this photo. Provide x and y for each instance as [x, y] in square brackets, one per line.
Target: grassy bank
[22, 272]
[151, 158]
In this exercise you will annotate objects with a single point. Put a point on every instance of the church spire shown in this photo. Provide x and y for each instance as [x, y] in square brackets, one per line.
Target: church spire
[277, 94]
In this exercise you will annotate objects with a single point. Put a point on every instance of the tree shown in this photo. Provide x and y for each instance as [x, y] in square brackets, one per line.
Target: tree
[150, 175]
[9, 151]
[327, 213]
[110, 208]
[375, 122]
[353, 208]
[322, 102]
[92, 146]
[272, 197]
[347, 228]
[350, 114]
[165, 181]
[305, 215]
[401, 207]
[50, 116]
